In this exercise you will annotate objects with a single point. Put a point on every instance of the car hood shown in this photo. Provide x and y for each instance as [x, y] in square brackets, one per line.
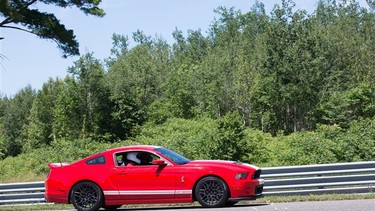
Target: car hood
[221, 163]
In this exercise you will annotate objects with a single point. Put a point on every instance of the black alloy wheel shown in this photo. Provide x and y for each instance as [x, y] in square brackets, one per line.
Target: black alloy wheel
[86, 196]
[212, 192]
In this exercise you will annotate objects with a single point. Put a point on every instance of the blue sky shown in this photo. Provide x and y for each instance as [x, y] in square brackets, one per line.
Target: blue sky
[31, 61]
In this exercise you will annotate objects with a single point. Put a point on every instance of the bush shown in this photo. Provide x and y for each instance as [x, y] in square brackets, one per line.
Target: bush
[302, 148]
[257, 145]
[229, 143]
[358, 142]
[34, 163]
[213, 139]
[191, 138]
[199, 139]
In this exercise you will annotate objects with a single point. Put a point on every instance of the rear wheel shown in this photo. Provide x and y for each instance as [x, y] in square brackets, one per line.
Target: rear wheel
[86, 196]
[211, 192]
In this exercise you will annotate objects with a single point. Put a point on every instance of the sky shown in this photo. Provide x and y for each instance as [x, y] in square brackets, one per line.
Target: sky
[29, 60]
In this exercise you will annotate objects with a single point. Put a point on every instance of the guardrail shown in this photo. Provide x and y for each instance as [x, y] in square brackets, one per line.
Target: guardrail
[357, 177]
[21, 193]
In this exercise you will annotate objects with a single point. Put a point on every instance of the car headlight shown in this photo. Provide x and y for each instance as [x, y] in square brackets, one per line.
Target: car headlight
[241, 175]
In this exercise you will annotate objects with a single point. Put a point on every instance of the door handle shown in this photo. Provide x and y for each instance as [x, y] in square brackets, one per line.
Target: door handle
[121, 171]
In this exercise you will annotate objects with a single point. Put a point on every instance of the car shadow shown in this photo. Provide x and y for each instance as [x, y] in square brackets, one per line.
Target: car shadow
[188, 207]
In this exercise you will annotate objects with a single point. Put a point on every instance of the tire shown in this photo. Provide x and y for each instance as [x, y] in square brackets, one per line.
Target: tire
[211, 192]
[112, 207]
[86, 196]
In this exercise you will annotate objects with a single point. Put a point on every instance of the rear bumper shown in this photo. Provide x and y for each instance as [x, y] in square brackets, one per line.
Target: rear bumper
[56, 192]
[56, 198]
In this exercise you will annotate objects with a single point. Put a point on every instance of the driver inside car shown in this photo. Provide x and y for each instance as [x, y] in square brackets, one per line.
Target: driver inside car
[138, 158]
[132, 160]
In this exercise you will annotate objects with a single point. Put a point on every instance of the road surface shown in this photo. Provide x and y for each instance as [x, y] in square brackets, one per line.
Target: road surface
[341, 205]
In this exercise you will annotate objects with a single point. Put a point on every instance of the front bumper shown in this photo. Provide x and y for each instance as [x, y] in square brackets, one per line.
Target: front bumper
[247, 190]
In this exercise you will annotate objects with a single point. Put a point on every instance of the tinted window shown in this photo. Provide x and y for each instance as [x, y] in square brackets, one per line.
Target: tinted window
[98, 160]
[140, 158]
[175, 157]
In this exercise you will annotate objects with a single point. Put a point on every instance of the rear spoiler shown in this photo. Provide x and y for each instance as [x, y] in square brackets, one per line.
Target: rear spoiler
[57, 165]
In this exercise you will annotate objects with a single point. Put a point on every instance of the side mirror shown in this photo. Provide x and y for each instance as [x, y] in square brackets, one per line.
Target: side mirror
[159, 162]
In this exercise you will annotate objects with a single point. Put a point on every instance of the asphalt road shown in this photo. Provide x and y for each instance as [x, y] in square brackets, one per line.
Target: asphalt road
[344, 205]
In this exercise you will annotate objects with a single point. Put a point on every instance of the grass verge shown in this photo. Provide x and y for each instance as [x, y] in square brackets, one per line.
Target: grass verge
[324, 197]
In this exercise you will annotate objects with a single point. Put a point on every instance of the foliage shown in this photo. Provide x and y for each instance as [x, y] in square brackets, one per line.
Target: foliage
[302, 148]
[356, 143]
[40, 128]
[229, 144]
[15, 120]
[95, 105]
[34, 163]
[197, 139]
[284, 88]
[257, 148]
[134, 80]
[46, 25]
[342, 108]
[192, 138]
[67, 114]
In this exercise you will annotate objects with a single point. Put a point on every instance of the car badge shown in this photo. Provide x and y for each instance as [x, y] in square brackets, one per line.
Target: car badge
[182, 179]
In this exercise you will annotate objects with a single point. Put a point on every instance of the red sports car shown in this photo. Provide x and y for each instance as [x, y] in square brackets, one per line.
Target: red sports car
[150, 174]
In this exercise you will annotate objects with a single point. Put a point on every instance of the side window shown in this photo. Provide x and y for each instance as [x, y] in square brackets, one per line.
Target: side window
[98, 160]
[120, 159]
[134, 158]
[146, 158]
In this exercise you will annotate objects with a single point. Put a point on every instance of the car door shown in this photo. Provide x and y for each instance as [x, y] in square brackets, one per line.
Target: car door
[145, 182]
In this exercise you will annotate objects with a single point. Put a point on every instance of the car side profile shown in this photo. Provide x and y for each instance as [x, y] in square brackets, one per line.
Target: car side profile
[150, 174]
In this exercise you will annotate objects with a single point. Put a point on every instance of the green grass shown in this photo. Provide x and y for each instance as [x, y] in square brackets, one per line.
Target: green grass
[324, 197]
[38, 207]
[23, 178]
[264, 200]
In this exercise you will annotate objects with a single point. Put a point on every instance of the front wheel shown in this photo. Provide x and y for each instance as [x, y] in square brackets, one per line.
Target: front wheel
[211, 192]
[86, 196]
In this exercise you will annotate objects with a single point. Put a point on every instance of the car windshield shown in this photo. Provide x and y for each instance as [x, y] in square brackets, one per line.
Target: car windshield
[175, 157]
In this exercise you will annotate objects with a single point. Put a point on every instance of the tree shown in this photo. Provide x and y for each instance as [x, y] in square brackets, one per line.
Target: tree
[15, 121]
[94, 97]
[41, 117]
[135, 78]
[68, 111]
[371, 3]
[46, 25]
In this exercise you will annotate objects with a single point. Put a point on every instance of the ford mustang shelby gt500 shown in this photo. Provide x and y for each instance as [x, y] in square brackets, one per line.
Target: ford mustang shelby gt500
[150, 174]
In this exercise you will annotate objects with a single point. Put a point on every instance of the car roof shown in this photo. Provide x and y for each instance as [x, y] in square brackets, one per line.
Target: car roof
[113, 150]
[134, 147]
